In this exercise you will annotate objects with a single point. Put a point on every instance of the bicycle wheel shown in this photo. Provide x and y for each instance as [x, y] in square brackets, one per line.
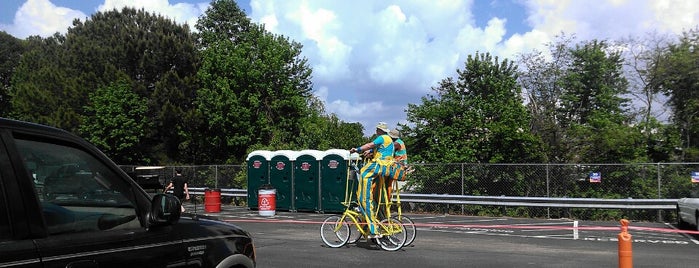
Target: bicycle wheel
[393, 235]
[355, 234]
[410, 229]
[334, 231]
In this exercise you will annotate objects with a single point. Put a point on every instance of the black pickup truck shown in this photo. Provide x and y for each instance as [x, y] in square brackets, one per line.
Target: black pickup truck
[63, 203]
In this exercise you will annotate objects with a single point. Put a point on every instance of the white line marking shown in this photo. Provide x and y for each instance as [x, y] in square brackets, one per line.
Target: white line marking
[685, 235]
[543, 223]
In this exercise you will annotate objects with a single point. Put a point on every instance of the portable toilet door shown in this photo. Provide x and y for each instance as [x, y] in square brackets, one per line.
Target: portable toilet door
[334, 174]
[281, 168]
[306, 180]
[258, 174]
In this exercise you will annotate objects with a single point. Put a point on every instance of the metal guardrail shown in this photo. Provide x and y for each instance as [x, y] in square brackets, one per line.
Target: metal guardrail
[224, 192]
[510, 201]
[559, 202]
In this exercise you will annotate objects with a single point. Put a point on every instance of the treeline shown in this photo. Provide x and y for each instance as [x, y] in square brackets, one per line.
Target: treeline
[147, 90]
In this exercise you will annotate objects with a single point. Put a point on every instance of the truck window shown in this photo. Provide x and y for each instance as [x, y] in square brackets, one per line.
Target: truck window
[77, 192]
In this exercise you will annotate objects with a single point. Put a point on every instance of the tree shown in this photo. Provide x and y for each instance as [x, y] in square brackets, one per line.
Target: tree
[541, 75]
[43, 91]
[55, 77]
[157, 54]
[11, 49]
[478, 118]
[641, 58]
[116, 121]
[323, 132]
[224, 20]
[594, 110]
[254, 85]
[676, 74]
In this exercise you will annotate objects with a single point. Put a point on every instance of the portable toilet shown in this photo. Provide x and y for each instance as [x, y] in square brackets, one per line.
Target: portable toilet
[334, 180]
[306, 183]
[281, 168]
[258, 174]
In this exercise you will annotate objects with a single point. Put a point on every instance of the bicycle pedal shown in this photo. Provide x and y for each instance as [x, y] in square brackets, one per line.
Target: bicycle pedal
[375, 236]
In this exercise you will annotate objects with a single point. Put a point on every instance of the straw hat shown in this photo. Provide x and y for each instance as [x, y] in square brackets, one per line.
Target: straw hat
[394, 133]
[383, 126]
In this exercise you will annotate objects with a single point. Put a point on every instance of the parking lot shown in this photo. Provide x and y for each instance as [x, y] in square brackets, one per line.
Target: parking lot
[292, 239]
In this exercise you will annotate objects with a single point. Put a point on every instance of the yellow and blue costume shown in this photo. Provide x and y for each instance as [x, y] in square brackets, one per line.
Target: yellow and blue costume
[379, 165]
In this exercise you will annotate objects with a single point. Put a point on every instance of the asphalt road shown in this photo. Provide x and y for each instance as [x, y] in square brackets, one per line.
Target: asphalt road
[292, 240]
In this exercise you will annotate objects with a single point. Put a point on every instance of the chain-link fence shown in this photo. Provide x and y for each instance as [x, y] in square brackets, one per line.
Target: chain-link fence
[637, 181]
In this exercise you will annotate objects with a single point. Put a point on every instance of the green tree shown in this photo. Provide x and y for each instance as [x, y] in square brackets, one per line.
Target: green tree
[642, 56]
[540, 75]
[43, 90]
[255, 86]
[116, 121]
[224, 20]
[56, 75]
[157, 54]
[676, 74]
[593, 109]
[323, 132]
[11, 49]
[478, 118]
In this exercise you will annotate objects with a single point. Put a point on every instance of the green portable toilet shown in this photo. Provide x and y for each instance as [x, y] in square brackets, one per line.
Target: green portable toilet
[334, 170]
[281, 173]
[258, 174]
[306, 183]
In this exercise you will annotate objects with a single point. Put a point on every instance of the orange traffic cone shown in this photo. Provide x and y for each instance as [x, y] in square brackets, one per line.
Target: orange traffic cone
[625, 253]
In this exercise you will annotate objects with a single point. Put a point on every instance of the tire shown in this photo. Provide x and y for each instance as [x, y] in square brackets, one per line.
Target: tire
[334, 231]
[410, 229]
[355, 234]
[394, 241]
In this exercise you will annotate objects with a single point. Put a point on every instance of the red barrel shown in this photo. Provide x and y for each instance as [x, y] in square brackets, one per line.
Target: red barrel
[212, 200]
[267, 202]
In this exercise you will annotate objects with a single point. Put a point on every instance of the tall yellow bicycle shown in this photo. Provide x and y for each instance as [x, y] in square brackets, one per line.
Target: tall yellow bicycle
[393, 208]
[336, 230]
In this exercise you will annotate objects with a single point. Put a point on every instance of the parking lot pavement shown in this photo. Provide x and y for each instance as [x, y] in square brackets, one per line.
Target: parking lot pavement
[553, 229]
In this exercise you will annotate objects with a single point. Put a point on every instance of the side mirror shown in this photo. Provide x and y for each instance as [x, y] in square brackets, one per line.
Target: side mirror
[164, 210]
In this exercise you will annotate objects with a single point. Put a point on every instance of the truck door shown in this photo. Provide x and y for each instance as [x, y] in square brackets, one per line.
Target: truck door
[91, 213]
[16, 246]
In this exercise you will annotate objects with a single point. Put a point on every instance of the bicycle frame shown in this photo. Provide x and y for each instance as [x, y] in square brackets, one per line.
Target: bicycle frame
[355, 215]
[389, 233]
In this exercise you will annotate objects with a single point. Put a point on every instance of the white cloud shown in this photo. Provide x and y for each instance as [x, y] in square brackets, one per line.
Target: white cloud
[673, 16]
[179, 12]
[370, 58]
[43, 18]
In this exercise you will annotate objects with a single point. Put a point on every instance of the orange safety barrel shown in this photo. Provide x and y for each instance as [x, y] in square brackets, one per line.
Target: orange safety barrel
[212, 200]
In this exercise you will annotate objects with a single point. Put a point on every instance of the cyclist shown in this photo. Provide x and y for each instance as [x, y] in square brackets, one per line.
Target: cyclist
[400, 156]
[379, 165]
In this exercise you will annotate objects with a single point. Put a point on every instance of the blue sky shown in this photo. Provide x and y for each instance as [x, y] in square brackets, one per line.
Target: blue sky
[370, 58]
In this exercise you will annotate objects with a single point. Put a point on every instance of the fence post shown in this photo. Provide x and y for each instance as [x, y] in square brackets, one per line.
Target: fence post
[548, 209]
[660, 212]
[462, 187]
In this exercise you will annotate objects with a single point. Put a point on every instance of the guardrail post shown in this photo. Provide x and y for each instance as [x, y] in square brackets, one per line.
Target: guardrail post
[625, 252]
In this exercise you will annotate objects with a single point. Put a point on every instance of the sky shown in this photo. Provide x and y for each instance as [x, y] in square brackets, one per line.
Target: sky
[370, 59]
